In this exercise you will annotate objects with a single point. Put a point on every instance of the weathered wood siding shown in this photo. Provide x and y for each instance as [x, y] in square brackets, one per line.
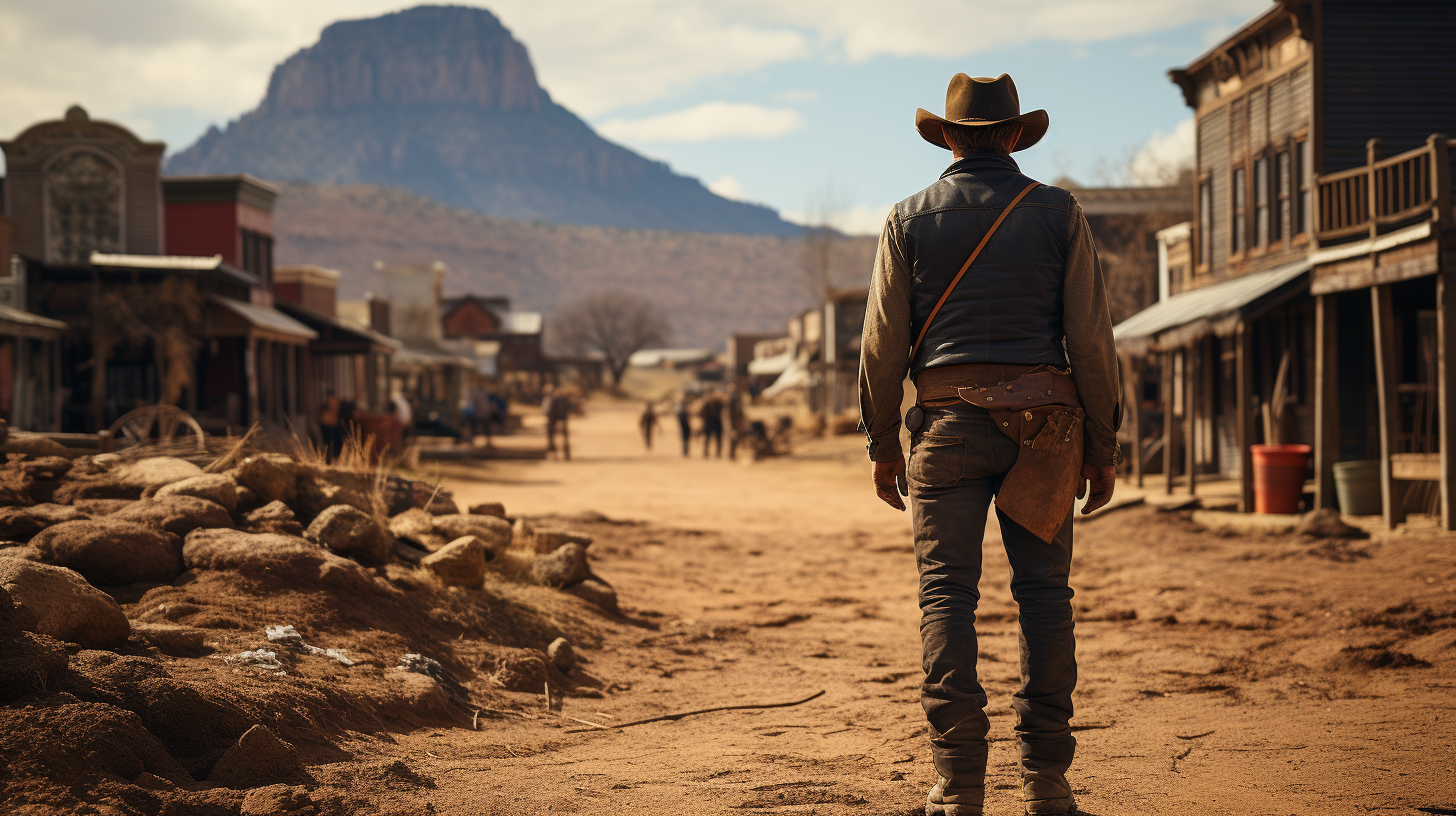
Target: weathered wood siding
[1213, 159]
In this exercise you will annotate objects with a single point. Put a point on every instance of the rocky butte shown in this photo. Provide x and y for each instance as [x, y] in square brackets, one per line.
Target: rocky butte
[443, 102]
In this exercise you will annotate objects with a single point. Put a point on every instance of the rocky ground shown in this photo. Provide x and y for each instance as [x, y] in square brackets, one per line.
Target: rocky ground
[1220, 673]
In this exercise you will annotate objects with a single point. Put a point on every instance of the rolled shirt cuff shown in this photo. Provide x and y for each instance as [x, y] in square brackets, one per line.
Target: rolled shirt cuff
[886, 448]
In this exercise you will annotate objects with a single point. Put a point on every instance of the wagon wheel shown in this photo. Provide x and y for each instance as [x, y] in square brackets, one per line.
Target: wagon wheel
[135, 427]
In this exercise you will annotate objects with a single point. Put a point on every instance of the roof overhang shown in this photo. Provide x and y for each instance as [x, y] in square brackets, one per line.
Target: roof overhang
[337, 336]
[240, 319]
[17, 323]
[1216, 309]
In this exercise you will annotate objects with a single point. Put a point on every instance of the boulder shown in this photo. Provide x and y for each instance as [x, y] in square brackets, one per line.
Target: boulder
[271, 476]
[15, 488]
[488, 509]
[170, 638]
[34, 444]
[561, 655]
[96, 508]
[155, 472]
[442, 504]
[65, 607]
[459, 563]
[14, 618]
[21, 523]
[274, 517]
[247, 500]
[1326, 523]
[596, 592]
[417, 526]
[270, 557]
[110, 551]
[214, 487]
[351, 532]
[522, 671]
[259, 758]
[178, 515]
[28, 663]
[315, 495]
[45, 473]
[562, 568]
[545, 540]
[494, 532]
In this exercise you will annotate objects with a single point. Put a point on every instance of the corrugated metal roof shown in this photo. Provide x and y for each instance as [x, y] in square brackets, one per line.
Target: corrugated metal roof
[266, 317]
[1209, 305]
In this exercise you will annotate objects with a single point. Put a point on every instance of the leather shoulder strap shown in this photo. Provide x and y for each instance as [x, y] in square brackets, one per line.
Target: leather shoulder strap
[967, 265]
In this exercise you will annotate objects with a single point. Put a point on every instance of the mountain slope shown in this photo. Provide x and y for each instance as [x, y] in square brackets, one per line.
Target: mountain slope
[710, 284]
[443, 102]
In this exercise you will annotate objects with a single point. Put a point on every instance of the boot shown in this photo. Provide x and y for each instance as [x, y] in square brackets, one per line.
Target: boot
[1046, 793]
[958, 801]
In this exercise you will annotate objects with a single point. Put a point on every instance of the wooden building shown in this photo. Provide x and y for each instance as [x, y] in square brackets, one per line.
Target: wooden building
[351, 361]
[229, 216]
[1309, 308]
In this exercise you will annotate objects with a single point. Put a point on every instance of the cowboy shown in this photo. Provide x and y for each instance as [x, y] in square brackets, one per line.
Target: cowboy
[987, 291]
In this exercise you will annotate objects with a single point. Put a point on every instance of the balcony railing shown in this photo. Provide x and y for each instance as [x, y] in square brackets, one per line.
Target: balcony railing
[1362, 200]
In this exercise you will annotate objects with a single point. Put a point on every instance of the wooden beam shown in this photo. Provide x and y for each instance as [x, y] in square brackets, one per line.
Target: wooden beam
[1190, 415]
[1326, 400]
[1386, 374]
[1244, 415]
[1135, 407]
[1445, 405]
[1170, 423]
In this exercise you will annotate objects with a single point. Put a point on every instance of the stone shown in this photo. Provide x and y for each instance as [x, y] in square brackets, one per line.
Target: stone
[494, 532]
[561, 655]
[277, 800]
[417, 527]
[34, 444]
[214, 487]
[65, 607]
[170, 638]
[562, 568]
[21, 551]
[596, 592]
[155, 472]
[28, 662]
[443, 504]
[524, 670]
[178, 515]
[96, 508]
[14, 618]
[271, 476]
[548, 540]
[111, 551]
[459, 563]
[15, 488]
[274, 517]
[316, 495]
[259, 758]
[1326, 523]
[351, 532]
[247, 500]
[273, 558]
[21, 523]
[488, 509]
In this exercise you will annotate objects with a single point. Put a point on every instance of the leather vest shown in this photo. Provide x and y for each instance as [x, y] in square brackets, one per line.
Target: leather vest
[1008, 307]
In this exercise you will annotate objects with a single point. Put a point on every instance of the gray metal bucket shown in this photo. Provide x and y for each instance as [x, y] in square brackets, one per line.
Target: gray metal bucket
[1357, 485]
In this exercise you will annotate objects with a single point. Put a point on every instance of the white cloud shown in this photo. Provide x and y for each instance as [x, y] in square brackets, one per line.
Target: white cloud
[728, 187]
[1163, 156]
[859, 220]
[706, 122]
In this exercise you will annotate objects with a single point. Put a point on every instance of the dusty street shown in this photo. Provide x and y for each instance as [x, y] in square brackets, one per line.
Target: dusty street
[1219, 674]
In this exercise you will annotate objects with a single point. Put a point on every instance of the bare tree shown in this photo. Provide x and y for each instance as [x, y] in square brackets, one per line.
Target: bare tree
[821, 243]
[617, 324]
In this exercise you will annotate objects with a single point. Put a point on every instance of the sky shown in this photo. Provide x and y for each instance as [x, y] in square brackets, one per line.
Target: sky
[805, 106]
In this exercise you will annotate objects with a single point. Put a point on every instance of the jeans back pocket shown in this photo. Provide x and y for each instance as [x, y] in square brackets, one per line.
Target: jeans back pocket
[937, 460]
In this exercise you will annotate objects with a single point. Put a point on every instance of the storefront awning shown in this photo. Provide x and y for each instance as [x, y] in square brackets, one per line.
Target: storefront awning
[16, 323]
[335, 336]
[263, 322]
[1214, 309]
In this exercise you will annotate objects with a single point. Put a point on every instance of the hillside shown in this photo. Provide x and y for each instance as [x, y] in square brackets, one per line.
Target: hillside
[444, 102]
[711, 284]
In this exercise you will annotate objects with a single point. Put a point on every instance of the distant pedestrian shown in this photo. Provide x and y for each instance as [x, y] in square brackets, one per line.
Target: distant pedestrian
[684, 411]
[557, 407]
[711, 415]
[331, 426]
[648, 423]
[735, 420]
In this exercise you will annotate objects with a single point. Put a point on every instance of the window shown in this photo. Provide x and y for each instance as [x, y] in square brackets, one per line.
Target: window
[83, 207]
[1283, 204]
[1205, 222]
[1302, 188]
[1261, 201]
[1238, 240]
[258, 255]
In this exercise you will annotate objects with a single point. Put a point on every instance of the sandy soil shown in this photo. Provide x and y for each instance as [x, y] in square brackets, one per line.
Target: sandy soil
[1219, 674]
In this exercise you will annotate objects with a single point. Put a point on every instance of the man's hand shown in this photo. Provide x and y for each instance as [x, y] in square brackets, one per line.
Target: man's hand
[1102, 479]
[890, 482]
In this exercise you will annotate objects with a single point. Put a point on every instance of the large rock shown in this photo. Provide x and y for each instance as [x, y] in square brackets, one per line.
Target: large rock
[351, 532]
[20, 523]
[259, 758]
[15, 488]
[155, 472]
[65, 607]
[272, 476]
[214, 487]
[488, 509]
[178, 515]
[494, 532]
[562, 568]
[561, 655]
[268, 557]
[545, 539]
[274, 517]
[315, 495]
[111, 552]
[171, 638]
[459, 563]
[417, 526]
[524, 670]
[596, 592]
[14, 618]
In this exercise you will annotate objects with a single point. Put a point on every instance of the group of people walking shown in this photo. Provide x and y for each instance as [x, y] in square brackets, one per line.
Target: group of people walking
[719, 413]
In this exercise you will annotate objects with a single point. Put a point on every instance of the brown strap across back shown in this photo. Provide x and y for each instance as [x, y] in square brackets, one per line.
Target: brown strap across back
[967, 265]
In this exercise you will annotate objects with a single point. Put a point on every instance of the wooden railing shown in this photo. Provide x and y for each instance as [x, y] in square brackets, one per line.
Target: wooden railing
[1394, 190]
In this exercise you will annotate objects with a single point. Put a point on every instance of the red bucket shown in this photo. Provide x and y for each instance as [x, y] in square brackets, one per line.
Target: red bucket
[1279, 477]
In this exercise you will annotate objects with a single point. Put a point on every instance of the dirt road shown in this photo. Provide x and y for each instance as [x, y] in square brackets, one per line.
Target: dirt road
[1219, 675]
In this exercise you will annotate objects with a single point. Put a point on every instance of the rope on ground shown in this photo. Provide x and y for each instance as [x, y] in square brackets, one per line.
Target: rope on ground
[681, 714]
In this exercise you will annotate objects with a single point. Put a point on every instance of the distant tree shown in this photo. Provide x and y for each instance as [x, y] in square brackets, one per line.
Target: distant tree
[617, 324]
[821, 244]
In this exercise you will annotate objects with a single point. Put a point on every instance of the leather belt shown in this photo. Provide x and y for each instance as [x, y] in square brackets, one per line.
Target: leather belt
[994, 385]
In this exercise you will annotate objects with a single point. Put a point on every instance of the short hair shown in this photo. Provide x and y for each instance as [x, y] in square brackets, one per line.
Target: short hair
[982, 139]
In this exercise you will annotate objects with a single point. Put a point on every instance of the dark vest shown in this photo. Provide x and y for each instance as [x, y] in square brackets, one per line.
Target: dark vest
[1008, 307]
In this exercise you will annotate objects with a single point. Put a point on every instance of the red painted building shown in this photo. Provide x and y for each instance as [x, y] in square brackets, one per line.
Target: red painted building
[231, 216]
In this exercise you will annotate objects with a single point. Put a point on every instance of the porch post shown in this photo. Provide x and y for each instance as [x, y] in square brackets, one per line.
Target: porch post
[1385, 377]
[1134, 405]
[1445, 406]
[1326, 401]
[1190, 415]
[1244, 380]
[1170, 425]
[250, 374]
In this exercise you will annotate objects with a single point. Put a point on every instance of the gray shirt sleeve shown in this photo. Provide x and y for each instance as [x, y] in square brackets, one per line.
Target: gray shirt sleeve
[885, 346]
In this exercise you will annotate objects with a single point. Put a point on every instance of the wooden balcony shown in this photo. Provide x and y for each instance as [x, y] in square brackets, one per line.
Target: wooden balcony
[1385, 193]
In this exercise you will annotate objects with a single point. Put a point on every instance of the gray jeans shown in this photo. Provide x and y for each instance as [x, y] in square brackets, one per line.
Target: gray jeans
[958, 460]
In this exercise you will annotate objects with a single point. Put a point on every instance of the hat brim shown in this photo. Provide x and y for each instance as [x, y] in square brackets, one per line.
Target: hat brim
[1034, 126]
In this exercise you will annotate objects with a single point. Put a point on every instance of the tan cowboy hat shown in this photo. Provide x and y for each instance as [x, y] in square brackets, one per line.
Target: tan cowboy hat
[979, 102]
